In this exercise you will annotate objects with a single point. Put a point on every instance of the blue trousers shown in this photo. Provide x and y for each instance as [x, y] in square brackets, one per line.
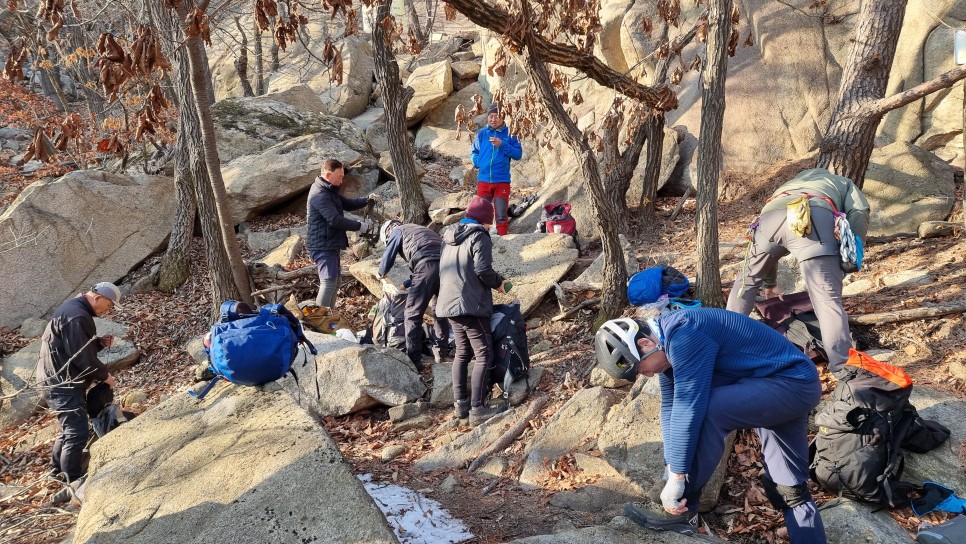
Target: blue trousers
[777, 408]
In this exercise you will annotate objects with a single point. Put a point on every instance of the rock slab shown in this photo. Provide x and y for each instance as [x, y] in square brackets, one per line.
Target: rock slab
[242, 465]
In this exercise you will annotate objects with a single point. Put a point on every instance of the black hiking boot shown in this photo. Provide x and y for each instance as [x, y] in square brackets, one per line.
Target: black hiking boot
[479, 414]
[462, 408]
[655, 517]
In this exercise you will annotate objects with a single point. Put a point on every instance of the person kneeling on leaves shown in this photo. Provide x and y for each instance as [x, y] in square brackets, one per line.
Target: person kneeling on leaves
[420, 247]
[465, 297]
[720, 371]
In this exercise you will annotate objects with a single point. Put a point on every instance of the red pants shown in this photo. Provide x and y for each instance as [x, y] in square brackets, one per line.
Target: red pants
[499, 195]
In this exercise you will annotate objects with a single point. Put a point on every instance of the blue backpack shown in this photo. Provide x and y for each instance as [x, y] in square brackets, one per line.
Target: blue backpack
[253, 349]
[649, 284]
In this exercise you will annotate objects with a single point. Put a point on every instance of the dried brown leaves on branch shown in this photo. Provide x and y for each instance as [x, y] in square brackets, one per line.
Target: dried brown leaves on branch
[52, 11]
[333, 57]
[337, 6]
[670, 11]
[449, 12]
[40, 148]
[263, 10]
[13, 68]
[196, 24]
[146, 54]
[391, 29]
[115, 67]
[351, 23]
[70, 129]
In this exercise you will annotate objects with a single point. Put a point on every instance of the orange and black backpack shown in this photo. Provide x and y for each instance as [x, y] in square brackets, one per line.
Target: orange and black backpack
[857, 452]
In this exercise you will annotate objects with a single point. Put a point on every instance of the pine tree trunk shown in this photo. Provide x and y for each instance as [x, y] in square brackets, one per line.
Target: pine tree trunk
[847, 146]
[200, 90]
[396, 98]
[190, 165]
[708, 287]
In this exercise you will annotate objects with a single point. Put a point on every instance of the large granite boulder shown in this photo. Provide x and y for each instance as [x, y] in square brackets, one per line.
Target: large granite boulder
[63, 235]
[853, 522]
[438, 129]
[432, 84]
[259, 181]
[532, 262]
[619, 531]
[242, 465]
[246, 126]
[348, 99]
[346, 377]
[906, 186]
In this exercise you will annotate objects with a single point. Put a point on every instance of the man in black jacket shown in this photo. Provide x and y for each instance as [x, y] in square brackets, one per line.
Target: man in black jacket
[420, 247]
[327, 228]
[68, 365]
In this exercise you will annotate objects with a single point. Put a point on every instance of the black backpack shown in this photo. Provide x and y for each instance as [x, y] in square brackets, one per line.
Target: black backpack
[857, 452]
[511, 358]
[388, 328]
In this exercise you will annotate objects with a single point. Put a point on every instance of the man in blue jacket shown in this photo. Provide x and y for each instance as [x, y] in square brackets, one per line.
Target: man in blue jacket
[720, 371]
[493, 148]
[327, 227]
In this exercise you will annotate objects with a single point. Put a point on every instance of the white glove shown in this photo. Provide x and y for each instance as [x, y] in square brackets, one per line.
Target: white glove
[389, 287]
[673, 491]
[364, 226]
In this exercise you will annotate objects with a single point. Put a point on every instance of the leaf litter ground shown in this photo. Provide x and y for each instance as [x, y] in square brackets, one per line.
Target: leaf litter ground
[496, 510]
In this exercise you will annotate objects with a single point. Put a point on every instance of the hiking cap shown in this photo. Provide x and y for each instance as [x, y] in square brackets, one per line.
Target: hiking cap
[109, 291]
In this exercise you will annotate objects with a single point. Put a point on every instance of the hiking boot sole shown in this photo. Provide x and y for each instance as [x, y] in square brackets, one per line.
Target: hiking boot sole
[676, 526]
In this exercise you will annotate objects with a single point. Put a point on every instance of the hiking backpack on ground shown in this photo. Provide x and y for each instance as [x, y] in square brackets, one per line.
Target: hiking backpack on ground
[857, 451]
[253, 349]
[556, 218]
[511, 358]
[792, 315]
[388, 325]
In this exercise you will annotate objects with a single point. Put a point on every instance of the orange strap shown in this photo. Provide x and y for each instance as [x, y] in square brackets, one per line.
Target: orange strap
[892, 373]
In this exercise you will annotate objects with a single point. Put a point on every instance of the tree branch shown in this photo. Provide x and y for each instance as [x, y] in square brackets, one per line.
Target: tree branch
[880, 107]
[496, 19]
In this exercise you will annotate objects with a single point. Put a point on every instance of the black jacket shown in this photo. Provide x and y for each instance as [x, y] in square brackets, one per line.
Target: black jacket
[415, 243]
[70, 328]
[327, 226]
[466, 273]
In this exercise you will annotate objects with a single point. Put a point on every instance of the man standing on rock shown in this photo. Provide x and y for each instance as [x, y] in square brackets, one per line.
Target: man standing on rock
[820, 195]
[493, 148]
[420, 247]
[67, 367]
[720, 371]
[327, 227]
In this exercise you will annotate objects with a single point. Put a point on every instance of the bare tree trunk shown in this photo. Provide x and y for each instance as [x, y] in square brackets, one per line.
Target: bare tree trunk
[201, 89]
[259, 62]
[273, 49]
[708, 287]
[850, 138]
[174, 265]
[396, 98]
[652, 169]
[241, 63]
[414, 21]
[609, 220]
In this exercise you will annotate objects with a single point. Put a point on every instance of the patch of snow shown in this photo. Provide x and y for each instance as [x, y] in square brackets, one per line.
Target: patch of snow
[415, 518]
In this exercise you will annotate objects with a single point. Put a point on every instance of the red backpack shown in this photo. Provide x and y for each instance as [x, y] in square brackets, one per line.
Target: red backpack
[556, 218]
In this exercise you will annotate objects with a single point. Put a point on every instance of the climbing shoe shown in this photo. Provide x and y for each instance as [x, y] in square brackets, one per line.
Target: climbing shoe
[657, 518]
[479, 414]
[462, 408]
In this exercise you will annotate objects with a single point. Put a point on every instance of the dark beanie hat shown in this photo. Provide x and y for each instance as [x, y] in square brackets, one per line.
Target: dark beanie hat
[480, 210]
[494, 108]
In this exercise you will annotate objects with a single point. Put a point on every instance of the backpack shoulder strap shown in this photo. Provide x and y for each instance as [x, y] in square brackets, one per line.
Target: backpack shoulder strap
[278, 310]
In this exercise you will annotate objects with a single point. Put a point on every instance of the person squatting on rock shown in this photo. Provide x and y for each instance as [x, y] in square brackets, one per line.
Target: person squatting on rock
[68, 366]
[720, 371]
[817, 252]
[466, 278]
[420, 247]
[327, 228]
[493, 148]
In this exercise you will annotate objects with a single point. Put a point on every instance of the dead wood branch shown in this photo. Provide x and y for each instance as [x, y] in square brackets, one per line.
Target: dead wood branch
[935, 229]
[512, 433]
[589, 302]
[908, 315]
[680, 206]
